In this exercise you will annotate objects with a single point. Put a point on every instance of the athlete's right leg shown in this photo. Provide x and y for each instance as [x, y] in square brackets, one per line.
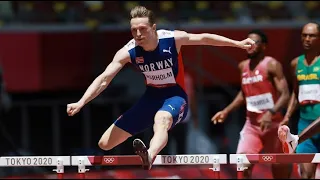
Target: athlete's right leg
[249, 143]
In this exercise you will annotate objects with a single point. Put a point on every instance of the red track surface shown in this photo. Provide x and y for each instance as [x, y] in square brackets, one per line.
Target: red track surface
[227, 172]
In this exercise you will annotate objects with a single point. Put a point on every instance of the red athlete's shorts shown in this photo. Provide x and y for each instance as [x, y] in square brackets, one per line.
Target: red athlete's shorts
[253, 140]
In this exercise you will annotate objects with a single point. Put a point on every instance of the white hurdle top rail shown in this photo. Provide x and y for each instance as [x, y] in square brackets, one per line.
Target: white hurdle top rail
[274, 158]
[187, 159]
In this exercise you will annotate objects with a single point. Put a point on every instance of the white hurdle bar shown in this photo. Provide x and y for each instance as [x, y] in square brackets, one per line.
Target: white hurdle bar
[189, 159]
[32, 161]
[241, 159]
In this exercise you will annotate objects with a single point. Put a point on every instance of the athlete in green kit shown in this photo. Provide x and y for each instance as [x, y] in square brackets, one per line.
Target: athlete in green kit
[306, 94]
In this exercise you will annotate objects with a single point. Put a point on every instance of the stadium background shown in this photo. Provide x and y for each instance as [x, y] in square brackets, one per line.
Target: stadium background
[51, 51]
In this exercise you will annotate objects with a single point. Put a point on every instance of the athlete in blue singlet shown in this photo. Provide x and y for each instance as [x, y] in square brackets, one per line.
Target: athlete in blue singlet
[156, 53]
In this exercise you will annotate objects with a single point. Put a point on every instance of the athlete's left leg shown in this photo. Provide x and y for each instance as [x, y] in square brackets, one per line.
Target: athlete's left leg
[172, 112]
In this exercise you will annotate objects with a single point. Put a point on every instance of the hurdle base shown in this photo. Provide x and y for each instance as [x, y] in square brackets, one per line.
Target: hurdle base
[240, 167]
[216, 167]
[59, 169]
[240, 171]
[81, 168]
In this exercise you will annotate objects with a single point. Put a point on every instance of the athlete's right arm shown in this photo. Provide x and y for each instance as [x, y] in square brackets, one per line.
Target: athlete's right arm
[293, 103]
[237, 102]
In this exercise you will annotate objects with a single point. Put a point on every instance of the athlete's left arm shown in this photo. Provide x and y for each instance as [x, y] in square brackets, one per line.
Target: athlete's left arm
[276, 72]
[184, 38]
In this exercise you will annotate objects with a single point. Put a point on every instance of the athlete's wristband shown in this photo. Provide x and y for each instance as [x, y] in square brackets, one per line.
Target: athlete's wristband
[272, 111]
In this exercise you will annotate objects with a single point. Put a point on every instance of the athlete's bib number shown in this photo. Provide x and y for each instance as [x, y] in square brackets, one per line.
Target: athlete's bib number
[160, 77]
[259, 102]
[309, 92]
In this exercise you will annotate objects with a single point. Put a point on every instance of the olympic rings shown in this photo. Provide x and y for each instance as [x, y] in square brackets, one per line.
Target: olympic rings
[267, 158]
[108, 160]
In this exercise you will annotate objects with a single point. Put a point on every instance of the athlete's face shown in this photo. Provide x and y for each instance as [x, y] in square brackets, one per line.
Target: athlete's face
[142, 30]
[259, 48]
[310, 37]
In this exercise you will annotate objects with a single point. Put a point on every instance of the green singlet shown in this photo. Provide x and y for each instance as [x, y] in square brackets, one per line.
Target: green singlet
[309, 88]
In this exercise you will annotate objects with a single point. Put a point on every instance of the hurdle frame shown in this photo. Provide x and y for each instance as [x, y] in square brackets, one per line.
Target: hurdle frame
[59, 168]
[213, 159]
[59, 162]
[241, 159]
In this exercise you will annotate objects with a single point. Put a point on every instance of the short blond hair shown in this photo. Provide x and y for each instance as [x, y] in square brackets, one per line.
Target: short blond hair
[141, 12]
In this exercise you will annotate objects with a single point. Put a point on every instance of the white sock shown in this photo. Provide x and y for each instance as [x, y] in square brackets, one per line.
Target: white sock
[149, 157]
[291, 137]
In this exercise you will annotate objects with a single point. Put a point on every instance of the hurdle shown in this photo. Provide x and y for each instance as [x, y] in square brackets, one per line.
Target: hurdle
[241, 159]
[32, 161]
[188, 159]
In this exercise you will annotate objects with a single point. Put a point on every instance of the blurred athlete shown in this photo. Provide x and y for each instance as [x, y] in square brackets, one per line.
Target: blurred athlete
[156, 53]
[265, 91]
[306, 72]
